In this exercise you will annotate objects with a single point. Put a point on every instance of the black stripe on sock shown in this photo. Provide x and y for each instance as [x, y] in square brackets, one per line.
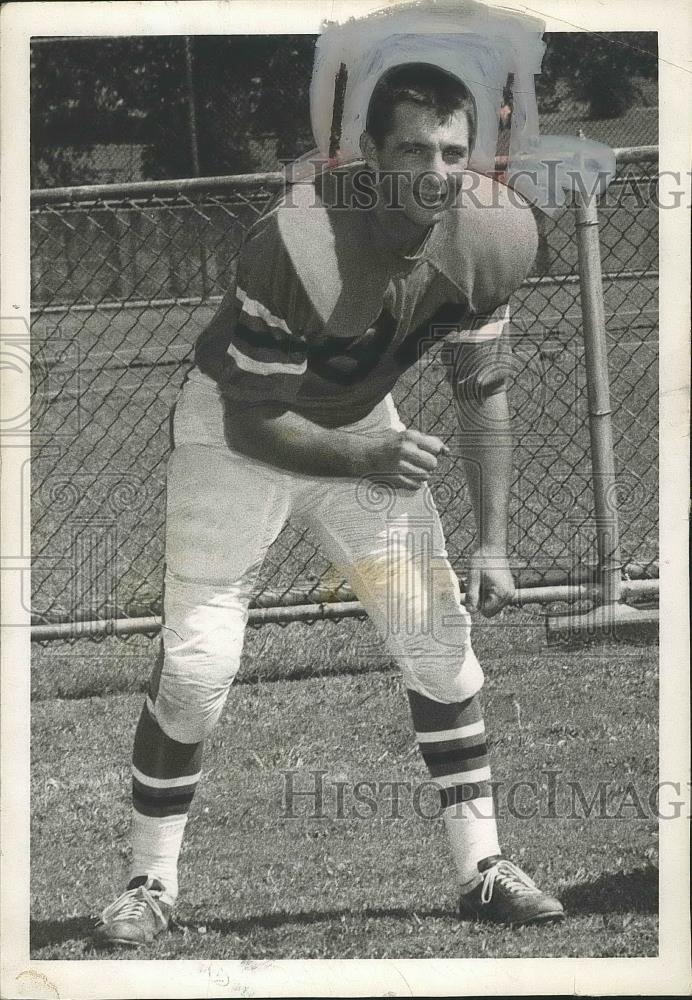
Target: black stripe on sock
[454, 760]
[465, 793]
[432, 716]
[172, 805]
[158, 756]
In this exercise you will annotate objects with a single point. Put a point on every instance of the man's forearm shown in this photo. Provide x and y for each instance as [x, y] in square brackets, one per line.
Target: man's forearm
[486, 453]
[291, 442]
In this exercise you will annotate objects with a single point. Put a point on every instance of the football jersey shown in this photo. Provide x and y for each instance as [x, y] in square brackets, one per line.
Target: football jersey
[324, 315]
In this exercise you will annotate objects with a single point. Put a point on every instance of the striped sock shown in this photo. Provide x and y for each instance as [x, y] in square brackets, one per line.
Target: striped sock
[452, 741]
[164, 778]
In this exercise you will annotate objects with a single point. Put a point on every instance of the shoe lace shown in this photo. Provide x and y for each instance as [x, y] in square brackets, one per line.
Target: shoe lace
[132, 905]
[508, 875]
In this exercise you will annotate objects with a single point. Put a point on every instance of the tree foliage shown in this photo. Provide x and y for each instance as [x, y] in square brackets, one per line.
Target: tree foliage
[254, 88]
[86, 92]
[250, 94]
[600, 69]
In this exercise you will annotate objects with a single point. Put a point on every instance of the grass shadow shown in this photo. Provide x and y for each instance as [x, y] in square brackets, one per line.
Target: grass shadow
[616, 892]
[48, 932]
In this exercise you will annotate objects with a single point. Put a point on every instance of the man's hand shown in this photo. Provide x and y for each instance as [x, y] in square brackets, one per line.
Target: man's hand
[490, 583]
[403, 458]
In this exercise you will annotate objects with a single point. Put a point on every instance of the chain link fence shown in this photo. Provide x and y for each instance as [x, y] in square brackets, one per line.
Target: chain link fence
[125, 278]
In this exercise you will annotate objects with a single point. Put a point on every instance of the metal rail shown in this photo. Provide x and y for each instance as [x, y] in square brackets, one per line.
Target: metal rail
[322, 612]
[147, 189]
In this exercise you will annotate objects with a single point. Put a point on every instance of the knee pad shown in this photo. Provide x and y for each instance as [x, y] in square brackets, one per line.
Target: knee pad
[445, 679]
[437, 659]
[194, 683]
[202, 639]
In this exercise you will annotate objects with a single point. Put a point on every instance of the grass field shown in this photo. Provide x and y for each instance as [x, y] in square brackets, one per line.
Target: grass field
[355, 882]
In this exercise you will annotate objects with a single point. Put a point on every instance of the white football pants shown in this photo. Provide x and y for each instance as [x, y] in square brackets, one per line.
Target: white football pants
[224, 510]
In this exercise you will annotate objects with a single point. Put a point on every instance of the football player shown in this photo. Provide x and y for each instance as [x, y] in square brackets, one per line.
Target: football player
[288, 411]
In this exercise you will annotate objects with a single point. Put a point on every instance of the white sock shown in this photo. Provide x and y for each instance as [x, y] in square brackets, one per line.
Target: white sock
[472, 833]
[156, 843]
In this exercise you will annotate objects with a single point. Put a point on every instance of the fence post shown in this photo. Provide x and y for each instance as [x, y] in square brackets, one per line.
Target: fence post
[194, 148]
[191, 104]
[598, 391]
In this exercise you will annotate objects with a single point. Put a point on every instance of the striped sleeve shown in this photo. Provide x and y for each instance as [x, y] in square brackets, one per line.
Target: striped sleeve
[254, 346]
[477, 354]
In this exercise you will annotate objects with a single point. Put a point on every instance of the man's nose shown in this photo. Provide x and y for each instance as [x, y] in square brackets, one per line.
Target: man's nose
[436, 177]
[440, 166]
[436, 165]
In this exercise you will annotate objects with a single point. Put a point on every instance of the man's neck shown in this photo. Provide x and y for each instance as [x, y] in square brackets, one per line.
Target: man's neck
[398, 232]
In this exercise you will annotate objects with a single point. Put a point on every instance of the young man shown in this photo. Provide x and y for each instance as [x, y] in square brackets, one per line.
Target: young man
[288, 412]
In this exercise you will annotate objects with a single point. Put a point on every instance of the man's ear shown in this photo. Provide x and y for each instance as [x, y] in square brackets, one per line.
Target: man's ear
[369, 150]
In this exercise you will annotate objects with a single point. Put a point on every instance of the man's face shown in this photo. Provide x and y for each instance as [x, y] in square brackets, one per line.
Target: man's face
[433, 157]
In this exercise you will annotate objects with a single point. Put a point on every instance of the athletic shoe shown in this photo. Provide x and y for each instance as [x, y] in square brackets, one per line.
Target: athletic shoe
[137, 916]
[506, 895]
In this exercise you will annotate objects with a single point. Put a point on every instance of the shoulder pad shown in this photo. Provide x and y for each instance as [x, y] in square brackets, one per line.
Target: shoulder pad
[488, 242]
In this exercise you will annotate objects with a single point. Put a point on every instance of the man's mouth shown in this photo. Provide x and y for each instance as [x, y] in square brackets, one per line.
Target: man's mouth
[435, 198]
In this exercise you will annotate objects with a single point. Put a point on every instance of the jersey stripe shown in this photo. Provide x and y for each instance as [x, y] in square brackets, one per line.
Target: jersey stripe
[481, 330]
[247, 364]
[265, 347]
[254, 308]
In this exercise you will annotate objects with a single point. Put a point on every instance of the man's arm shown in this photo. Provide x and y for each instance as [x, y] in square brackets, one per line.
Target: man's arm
[486, 454]
[487, 460]
[285, 439]
[289, 441]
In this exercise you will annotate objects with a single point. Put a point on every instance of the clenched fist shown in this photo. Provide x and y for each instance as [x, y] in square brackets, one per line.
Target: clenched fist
[403, 458]
[490, 584]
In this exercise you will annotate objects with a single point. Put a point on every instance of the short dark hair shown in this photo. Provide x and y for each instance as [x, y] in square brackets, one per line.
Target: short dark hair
[422, 84]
